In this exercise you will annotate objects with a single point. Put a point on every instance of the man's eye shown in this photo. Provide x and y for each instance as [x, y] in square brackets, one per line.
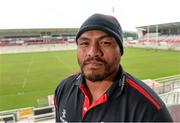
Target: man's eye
[83, 43]
[105, 43]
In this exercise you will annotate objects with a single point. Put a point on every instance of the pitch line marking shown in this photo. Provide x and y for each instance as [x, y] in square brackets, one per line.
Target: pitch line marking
[69, 68]
[28, 71]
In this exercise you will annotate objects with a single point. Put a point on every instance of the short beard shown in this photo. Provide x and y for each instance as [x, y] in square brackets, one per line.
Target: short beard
[95, 77]
[98, 77]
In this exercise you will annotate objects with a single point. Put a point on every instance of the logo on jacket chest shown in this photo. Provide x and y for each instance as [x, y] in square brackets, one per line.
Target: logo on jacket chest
[63, 116]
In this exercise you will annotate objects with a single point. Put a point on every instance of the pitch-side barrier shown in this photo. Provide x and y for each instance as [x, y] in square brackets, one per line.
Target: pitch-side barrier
[30, 113]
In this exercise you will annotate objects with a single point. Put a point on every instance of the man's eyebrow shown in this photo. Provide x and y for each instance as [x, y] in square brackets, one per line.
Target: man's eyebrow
[83, 39]
[105, 36]
[100, 38]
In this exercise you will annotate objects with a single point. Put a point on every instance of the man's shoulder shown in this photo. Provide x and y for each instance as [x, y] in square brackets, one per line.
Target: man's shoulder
[70, 79]
[144, 90]
[66, 84]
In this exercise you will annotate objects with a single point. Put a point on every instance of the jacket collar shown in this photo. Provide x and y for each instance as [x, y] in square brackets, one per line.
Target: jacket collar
[116, 88]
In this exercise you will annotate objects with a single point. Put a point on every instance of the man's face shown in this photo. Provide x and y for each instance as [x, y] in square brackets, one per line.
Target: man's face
[98, 55]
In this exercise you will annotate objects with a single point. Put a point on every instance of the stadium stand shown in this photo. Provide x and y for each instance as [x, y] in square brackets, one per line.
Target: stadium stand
[33, 40]
[166, 36]
[16, 37]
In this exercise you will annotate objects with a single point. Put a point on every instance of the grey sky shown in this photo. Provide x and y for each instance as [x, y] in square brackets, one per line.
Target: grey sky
[71, 13]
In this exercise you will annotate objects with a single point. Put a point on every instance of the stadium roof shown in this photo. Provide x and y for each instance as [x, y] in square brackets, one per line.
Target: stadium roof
[160, 26]
[38, 30]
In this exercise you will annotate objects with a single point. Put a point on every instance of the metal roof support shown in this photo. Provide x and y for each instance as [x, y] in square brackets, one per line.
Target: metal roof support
[148, 33]
[157, 34]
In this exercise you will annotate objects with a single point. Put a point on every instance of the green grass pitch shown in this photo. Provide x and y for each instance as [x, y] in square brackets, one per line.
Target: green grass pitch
[27, 77]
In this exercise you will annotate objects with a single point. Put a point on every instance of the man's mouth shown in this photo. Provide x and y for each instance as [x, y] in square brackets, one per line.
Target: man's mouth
[93, 62]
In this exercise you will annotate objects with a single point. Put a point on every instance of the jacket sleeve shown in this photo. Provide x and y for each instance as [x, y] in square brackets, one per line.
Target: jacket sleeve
[57, 96]
[56, 102]
[60, 92]
[163, 115]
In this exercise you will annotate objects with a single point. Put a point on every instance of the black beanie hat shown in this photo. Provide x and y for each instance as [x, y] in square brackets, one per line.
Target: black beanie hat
[106, 23]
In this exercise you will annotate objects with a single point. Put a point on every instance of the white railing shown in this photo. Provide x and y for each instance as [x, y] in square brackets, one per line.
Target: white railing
[46, 116]
[169, 89]
[168, 84]
[171, 98]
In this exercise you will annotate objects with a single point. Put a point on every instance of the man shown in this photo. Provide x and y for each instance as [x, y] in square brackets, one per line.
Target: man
[103, 91]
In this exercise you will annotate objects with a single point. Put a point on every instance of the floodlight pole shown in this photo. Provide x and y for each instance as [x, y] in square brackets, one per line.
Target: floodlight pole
[148, 34]
[157, 34]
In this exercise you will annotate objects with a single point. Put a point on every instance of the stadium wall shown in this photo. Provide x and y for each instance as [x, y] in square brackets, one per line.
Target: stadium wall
[37, 48]
[153, 46]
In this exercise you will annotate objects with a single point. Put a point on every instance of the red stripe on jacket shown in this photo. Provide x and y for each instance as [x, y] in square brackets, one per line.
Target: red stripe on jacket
[144, 92]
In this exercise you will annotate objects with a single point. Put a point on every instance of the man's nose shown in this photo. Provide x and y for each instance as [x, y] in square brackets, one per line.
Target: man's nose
[94, 50]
